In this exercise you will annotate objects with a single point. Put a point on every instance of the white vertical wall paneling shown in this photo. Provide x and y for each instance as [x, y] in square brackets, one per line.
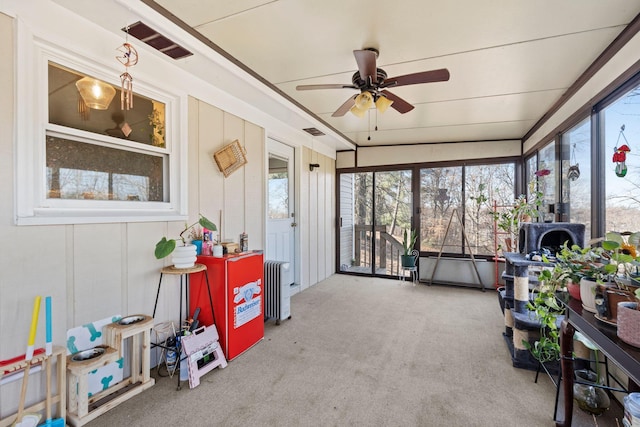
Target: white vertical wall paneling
[8, 313]
[234, 203]
[330, 188]
[304, 223]
[97, 272]
[321, 246]
[193, 171]
[313, 221]
[209, 131]
[142, 282]
[254, 189]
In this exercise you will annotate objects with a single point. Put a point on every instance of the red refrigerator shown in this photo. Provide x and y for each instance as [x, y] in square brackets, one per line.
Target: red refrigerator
[237, 291]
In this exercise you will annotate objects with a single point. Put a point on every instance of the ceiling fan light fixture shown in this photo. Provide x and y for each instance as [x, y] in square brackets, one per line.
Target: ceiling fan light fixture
[382, 103]
[363, 102]
[95, 93]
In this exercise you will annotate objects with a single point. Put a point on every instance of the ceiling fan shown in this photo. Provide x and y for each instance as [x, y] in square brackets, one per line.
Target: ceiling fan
[372, 83]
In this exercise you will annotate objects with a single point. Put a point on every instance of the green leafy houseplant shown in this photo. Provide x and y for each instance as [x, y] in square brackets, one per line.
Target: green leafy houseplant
[165, 246]
[546, 307]
[408, 241]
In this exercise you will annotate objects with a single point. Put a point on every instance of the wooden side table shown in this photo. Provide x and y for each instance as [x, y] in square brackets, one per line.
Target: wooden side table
[184, 285]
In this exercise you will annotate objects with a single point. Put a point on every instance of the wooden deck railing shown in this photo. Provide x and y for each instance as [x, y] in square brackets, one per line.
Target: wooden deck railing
[388, 249]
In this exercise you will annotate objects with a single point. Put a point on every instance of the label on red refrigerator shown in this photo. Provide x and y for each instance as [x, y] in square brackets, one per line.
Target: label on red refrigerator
[248, 303]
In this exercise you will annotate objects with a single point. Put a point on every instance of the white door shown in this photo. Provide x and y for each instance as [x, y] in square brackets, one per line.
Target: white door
[281, 218]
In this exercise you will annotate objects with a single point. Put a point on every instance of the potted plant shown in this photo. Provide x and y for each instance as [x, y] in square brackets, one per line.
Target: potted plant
[522, 210]
[590, 268]
[184, 258]
[629, 319]
[546, 308]
[408, 242]
[604, 272]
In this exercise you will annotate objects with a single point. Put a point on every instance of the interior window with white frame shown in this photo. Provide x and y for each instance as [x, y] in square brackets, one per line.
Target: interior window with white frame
[97, 151]
[91, 160]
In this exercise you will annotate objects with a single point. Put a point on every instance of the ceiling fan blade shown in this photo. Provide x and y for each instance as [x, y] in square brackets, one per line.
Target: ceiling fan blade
[366, 60]
[441, 75]
[399, 104]
[325, 86]
[344, 108]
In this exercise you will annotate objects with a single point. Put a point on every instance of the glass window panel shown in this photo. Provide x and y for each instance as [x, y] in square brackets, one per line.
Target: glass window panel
[576, 174]
[440, 195]
[79, 170]
[485, 185]
[278, 188]
[392, 217]
[531, 166]
[362, 222]
[622, 187]
[145, 123]
[546, 181]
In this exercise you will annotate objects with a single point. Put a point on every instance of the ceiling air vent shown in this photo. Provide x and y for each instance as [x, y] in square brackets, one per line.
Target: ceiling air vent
[156, 40]
[313, 131]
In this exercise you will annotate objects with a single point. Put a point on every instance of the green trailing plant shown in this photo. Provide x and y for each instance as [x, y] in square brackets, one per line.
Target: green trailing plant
[546, 308]
[408, 241]
[166, 246]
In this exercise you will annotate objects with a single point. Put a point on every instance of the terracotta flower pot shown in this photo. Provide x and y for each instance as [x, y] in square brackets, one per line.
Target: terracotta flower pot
[574, 290]
[612, 297]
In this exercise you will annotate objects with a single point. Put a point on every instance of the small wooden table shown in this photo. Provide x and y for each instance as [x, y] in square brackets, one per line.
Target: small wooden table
[604, 336]
[184, 285]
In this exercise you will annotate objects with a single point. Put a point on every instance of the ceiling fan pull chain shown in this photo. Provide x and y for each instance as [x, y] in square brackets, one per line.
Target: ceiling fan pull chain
[369, 127]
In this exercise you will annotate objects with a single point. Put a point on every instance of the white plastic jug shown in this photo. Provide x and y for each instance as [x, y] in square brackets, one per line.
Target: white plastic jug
[631, 410]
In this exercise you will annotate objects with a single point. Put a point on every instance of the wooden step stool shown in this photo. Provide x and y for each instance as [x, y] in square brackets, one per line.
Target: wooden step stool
[203, 353]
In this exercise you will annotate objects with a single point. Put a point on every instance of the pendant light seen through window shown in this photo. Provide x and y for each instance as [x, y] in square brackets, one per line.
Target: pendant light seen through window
[95, 93]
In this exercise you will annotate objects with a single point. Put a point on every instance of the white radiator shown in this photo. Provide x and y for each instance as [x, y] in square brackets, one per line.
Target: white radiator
[277, 304]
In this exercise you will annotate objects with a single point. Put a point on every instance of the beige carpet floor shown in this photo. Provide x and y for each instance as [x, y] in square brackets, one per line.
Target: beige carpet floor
[363, 352]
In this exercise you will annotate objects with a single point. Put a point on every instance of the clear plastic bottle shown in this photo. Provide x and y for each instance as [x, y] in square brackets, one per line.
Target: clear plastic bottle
[244, 242]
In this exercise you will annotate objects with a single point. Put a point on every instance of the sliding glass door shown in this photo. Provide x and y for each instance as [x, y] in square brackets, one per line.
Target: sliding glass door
[375, 208]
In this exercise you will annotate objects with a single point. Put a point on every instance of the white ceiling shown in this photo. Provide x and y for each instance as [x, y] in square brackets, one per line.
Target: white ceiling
[509, 60]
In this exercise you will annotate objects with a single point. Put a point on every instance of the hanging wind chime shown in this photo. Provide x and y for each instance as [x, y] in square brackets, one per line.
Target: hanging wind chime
[128, 58]
[620, 154]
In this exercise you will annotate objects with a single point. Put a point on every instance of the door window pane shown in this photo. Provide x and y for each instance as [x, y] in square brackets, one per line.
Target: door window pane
[392, 217]
[375, 209]
[363, 216]
[278, 188]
